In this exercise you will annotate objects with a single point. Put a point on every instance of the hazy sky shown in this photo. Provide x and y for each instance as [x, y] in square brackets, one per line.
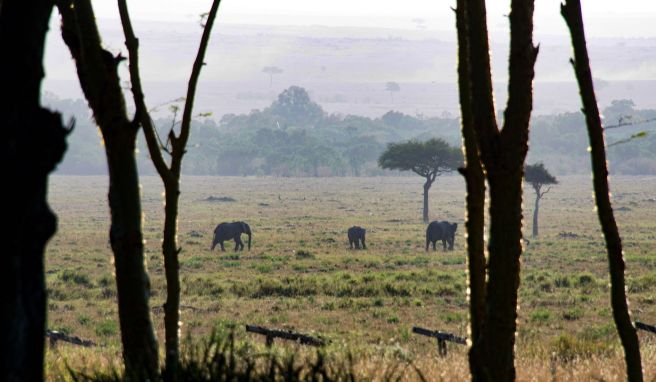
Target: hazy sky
[603, 17]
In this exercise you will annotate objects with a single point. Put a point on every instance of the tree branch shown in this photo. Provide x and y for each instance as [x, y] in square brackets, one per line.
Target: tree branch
[521, 72]
[180, 144]
[142, 115]
[482, 104]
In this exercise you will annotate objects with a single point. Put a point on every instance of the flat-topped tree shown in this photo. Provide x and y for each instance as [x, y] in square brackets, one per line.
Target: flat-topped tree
[538, 176]
[392, 87]
[271, 71]
[428, 159]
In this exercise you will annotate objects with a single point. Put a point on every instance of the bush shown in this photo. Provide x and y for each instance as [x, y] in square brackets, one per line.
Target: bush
[303, 254]
[70, 276]
[107, 328]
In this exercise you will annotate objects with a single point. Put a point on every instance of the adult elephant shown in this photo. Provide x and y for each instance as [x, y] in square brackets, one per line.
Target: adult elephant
[356, 237]
[231, 231]
[444, 231]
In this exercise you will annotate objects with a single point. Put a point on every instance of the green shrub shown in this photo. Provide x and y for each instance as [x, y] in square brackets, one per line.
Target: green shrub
[107, 328]
[70, 276]
[303, 254]
[585, 279]
[540, 316]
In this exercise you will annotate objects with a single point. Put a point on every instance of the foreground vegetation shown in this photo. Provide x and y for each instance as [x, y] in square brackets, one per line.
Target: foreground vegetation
[301, 276]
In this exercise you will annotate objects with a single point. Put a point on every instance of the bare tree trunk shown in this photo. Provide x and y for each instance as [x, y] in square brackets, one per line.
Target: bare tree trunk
[498, 338]
[171, 251]
[475, 202]
[170, 176]
[140, 350]
[502, 153]
[32, 143]
[427, 187]
[535, 213]
[571, 11]
[98, 75]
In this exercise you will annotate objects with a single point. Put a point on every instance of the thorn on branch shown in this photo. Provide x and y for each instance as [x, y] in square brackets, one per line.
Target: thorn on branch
[119, 58]
[536, 50]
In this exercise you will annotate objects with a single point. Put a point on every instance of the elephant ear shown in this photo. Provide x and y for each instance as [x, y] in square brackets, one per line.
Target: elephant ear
[243, 227]
[454, 226]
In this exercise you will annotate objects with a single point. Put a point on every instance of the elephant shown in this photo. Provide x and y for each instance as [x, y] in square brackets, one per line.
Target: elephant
[356, 236]
[444, 231]
[231, 231]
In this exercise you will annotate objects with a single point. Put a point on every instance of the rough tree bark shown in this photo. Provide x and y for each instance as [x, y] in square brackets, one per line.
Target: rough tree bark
[571, 11]
[502, 154]
[97, 72]
[33, 142]
[170, 174]
[475, 201]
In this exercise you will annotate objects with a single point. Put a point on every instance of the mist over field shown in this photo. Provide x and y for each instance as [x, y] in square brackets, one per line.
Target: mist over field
[345, 68]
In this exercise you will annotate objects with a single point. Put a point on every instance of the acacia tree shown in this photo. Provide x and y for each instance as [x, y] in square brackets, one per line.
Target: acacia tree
[571, 12]
[97, 71]
[502, 154]
[428, 159]
[538, 176]
[271, 70]
[392, 87]
[170, 173]
[32, 143]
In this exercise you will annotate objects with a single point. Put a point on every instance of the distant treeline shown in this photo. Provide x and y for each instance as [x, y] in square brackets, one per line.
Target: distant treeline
[296, 137]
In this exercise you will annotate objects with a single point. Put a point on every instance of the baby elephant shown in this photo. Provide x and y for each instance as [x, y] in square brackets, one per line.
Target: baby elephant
[444, 231]
[356, 236]
[231, 231]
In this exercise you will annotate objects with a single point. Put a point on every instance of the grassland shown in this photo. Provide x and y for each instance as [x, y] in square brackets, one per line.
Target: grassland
[300, 275]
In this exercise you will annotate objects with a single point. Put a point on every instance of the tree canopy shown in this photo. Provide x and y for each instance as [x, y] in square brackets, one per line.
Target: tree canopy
[538, 176]
[392, 87]
[428, 159]
[295, 105]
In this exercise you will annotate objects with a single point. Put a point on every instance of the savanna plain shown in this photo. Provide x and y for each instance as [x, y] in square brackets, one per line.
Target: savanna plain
[300, 274]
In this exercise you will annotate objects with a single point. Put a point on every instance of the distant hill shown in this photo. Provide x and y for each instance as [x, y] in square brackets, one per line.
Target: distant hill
[345, 69]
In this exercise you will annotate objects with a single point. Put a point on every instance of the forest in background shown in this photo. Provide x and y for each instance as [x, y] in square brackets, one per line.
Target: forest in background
[294, 136]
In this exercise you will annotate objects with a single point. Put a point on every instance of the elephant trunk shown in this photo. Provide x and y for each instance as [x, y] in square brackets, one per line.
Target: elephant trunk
[249, 241]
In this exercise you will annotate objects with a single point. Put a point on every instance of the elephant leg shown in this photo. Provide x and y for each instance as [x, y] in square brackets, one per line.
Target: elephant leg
[350, 244]
[222, 247]
[434, 242]
[444, 245]
[364, 246]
